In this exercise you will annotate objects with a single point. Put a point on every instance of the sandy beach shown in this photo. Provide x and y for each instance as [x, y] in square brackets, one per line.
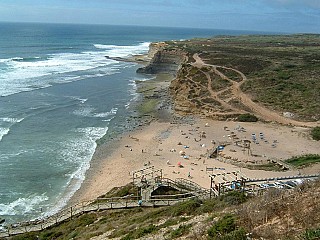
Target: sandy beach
[160, 144]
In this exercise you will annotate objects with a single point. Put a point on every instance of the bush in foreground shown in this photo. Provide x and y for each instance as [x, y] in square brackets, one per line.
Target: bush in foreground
[225, 229]
[311, 234]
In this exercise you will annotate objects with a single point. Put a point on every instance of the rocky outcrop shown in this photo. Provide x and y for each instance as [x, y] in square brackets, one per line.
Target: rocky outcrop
[155, 47]
[164, 61]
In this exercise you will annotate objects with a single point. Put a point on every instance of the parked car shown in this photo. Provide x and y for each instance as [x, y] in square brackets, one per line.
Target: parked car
[279, 185]
[290, 184]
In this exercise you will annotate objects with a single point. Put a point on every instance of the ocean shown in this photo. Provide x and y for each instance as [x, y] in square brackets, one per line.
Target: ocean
[59, 94]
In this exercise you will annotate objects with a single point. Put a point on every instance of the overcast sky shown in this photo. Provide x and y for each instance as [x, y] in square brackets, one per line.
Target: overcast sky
[262, 15]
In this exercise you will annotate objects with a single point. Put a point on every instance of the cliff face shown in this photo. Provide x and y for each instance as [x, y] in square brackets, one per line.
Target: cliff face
[163, 61]
[172, 61]
[190, 88]
[155, 47]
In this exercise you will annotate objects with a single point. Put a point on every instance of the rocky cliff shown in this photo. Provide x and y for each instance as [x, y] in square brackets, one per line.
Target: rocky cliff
[163, 60]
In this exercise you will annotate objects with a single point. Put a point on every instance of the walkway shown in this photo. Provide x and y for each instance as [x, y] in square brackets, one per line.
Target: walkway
[194, 191]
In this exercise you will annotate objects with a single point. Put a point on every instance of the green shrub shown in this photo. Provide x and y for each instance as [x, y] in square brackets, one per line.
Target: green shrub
[26, 236]
[140, 232]
[182, 230]
[84, 220]
[208, 205]
[303, 161]
[51, 234]
[247, 117]
[234, 198]
[222, 226]
[188, 207]
[126, 190]
[284, 75]
[311, 234]
[315, 133]
[239, 234]
[146, 230]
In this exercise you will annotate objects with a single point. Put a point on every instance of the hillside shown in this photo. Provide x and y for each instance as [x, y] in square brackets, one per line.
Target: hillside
[275, 215]
[279, 73]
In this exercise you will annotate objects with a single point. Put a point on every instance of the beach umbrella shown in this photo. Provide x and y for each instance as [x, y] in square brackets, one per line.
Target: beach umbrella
[179, 164]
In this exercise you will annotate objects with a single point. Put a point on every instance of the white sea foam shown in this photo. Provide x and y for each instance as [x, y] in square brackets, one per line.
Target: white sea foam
[133, 91]
[12, 120]
[3, 132]
[84, 111]
[22, 206]
[88, 111]
[79, 151]
[124, 51]
[82, 100]
[113, 111]
[20, 74]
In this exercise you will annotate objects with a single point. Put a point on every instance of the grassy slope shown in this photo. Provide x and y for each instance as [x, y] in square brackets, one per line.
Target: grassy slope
[275, 215]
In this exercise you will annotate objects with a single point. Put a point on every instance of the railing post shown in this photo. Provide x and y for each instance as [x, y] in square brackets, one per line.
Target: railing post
[210, 187]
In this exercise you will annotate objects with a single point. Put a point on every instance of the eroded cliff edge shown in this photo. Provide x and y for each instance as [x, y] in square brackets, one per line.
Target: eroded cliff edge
[225, 77]
[188, 90]
[163, 59]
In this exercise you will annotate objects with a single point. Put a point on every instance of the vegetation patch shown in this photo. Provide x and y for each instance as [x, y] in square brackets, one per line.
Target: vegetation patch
[247, 117]
[304, 161]
[140, 232]
[186, 208]
[225, 228]
[126, 190]
[266, 167]
[67, 230]
[250, 217]
[233, 75]
[315, 133]
[311, 234]
[148, 106]
[180, 231]
[234, 198]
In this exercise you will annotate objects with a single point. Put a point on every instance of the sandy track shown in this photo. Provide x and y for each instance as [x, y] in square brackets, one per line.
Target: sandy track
[235, 88]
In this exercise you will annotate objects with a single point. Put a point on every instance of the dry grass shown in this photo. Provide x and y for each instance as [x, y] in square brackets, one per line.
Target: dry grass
[279, 214]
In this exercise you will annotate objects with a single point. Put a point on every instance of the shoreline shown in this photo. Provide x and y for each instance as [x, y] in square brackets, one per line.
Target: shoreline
[150, 89]
[154, 142]
[153, 145]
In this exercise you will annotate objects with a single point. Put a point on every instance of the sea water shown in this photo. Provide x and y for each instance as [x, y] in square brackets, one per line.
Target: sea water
[59, 94]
